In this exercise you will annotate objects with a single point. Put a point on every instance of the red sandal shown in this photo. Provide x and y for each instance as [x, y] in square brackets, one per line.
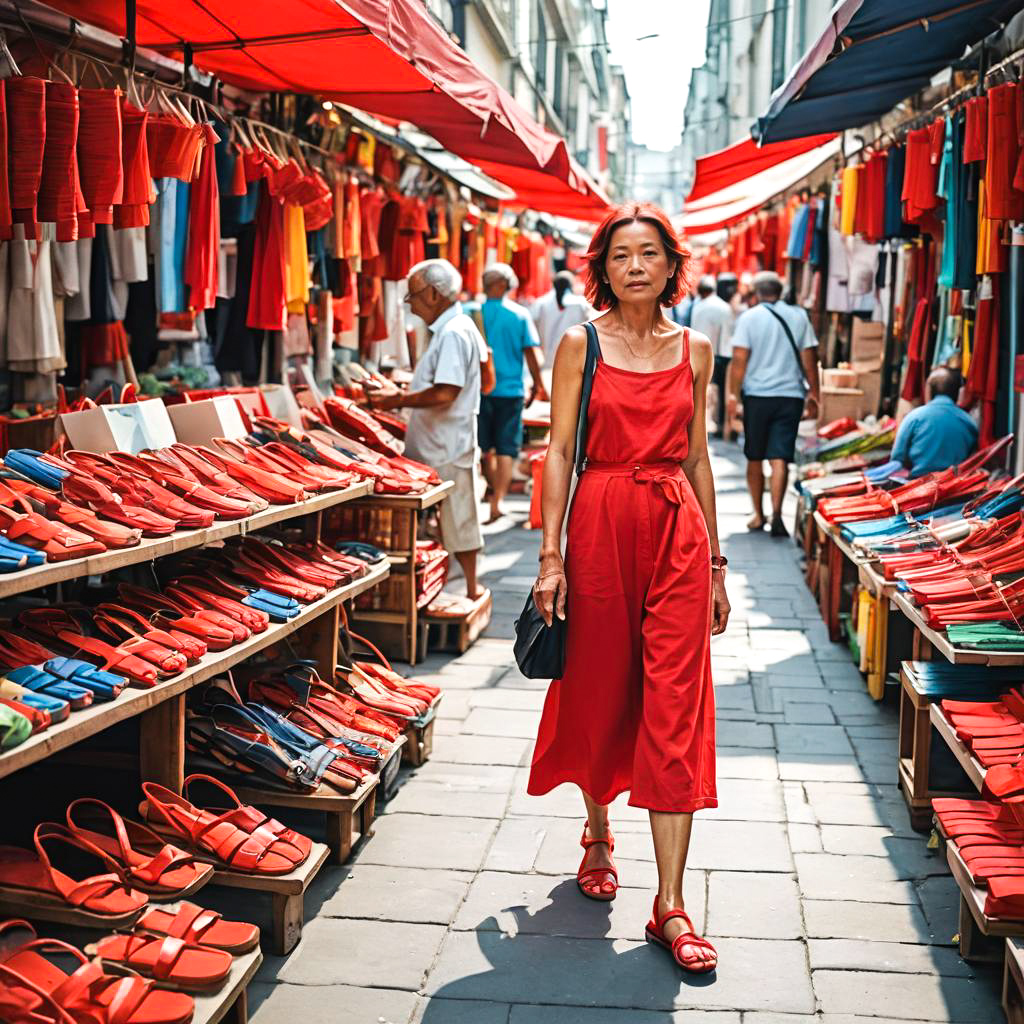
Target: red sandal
[655, 932]
[170, 962]
[584, 873]
[151, 865]
[196, 924]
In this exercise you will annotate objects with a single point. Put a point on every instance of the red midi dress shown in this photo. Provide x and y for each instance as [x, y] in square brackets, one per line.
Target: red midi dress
[635, 707]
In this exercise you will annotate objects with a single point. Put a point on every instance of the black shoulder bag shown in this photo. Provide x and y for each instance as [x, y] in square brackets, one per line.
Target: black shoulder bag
[540, 648]
[792, 345]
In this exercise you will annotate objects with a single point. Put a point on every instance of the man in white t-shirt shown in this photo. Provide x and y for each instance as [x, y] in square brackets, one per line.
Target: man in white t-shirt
[775, 370]
[557, 311]
[444, 397]
[713, 317]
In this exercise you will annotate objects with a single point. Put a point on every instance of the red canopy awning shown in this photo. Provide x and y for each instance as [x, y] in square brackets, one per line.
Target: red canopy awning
[744, 159]
[388, 57]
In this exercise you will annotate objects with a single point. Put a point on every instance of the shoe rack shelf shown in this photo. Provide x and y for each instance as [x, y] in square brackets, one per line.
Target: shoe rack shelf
[1013, 982]
[162, 748]
[404, 559]
[981, 937]
[181, 540]
[972, 767]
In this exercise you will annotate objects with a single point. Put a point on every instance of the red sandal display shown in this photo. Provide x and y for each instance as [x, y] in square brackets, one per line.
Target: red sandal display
[239, 838]
[170, 962]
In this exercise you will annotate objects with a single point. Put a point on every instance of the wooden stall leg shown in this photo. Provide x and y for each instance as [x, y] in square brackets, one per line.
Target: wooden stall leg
[921, 649]
[239, 1012]
[162, 743]
[287, 915]
[974, 945]
[367, 813]
[339, 835]
[1013, 986]
[318, 639]
[413, 624]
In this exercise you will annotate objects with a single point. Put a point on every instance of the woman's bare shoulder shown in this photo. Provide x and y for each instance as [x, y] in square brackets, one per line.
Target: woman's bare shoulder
[701, 352]
[573, 347]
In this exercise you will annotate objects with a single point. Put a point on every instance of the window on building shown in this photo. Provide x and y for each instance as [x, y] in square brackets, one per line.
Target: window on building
[780, 29]
[459, 21]
[559, 86]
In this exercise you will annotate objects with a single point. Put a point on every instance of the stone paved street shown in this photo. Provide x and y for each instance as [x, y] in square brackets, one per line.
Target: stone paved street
[824, 905]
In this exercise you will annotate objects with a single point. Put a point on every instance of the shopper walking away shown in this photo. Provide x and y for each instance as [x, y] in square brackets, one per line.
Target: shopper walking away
[713, 317]
[513, 339]
[444, 399]
[939, 434]
[643, 583]
[558, 310]
[775, 369]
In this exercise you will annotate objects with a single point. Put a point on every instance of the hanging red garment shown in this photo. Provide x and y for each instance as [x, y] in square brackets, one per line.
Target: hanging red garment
[267, 293]
[976, 129]
[57, 197]
[812, 220]
[1004, 201]
[138, 192]
[385, 166]
[920, 332]
[5, 195]
[173, 148]
[371, 205]
[873, 185]
[862, 206]
[520, 261]
[202, 248]
[919, 175]
[99, 152]
[982, 382]
[770, 241]
[26, 140]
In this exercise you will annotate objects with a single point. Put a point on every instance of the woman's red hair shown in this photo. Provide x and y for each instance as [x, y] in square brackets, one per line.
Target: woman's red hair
[598, 291]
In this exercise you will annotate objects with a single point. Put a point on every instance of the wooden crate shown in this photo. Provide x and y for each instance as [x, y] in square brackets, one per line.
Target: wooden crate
[459, 633]
[420, 738]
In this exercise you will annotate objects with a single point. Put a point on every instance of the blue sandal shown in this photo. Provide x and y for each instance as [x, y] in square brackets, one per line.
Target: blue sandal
[33, 678]
[104, 685]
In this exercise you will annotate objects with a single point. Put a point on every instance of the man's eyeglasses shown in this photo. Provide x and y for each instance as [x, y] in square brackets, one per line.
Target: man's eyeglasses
[419, 291]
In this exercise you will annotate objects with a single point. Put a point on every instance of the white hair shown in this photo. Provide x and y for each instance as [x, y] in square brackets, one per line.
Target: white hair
[505, 272]
[441, 275]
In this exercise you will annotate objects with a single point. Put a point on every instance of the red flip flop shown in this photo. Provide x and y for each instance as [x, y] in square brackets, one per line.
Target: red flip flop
[170, 962]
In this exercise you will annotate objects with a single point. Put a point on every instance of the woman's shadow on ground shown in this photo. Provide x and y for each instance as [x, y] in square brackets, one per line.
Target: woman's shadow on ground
[560, 956]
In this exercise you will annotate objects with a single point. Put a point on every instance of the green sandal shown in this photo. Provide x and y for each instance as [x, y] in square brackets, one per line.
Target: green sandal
[14, 728]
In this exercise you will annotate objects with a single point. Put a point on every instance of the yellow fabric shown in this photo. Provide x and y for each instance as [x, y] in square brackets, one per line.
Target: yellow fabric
[849, 201]
[296, 259]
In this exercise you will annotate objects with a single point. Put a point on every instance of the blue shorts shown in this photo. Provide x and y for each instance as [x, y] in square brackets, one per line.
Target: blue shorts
[500, 428]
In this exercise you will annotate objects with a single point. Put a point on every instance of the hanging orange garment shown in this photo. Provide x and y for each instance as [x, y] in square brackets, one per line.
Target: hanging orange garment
[353, 226]
[991, 252]
[296, 259]
[982, 383]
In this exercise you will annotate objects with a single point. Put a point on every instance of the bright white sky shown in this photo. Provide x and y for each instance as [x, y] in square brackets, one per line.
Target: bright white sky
[658, 69]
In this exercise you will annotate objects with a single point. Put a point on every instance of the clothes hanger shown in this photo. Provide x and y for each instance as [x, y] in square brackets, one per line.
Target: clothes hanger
[8, 57]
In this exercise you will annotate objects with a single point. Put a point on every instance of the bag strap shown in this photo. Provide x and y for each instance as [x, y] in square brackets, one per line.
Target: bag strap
[589, 369]
[792, 345]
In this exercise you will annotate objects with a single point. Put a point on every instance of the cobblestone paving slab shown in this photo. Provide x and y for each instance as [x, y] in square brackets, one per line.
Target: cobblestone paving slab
[825, 906]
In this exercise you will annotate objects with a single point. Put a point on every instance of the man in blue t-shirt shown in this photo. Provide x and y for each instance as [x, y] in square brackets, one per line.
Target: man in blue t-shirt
[512, 337]
[939, 434]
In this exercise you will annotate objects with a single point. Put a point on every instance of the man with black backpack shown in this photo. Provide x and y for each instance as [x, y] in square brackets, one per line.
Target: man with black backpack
[775, 369]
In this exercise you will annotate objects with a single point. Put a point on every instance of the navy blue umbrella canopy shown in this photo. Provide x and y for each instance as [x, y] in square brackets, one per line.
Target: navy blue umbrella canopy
[873, 54]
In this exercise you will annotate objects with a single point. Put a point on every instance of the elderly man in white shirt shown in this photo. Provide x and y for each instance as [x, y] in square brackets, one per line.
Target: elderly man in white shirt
[444, 397]
[713, 317]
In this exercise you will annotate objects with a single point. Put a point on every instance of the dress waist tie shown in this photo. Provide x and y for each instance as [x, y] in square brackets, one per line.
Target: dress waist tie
[667, 474]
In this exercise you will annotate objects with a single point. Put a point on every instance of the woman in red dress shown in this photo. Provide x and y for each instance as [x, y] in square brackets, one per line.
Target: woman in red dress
[643, 580]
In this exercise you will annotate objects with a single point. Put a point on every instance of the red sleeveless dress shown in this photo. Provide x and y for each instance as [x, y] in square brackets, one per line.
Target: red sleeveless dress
[635, 708]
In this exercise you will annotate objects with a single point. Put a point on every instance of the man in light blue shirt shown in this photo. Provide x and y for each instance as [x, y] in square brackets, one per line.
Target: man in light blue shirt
[939, 434]
[512, 337]
[775, 369]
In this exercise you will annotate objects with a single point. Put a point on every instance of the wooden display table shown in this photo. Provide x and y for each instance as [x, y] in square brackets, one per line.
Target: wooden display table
[976, 929]
[403, 560]
[286, 893]
[971, 765]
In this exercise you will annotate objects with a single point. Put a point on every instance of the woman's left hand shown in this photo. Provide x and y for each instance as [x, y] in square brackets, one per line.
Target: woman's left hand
[720, 606]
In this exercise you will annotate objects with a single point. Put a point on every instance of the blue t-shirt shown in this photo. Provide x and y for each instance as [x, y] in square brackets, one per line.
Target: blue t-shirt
[935, 436]
[510, 331]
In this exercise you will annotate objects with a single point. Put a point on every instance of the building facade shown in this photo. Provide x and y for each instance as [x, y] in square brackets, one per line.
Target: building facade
[552, 56]
[751, 45]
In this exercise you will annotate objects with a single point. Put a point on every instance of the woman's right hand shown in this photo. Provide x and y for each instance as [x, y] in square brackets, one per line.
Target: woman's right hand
[549, 591]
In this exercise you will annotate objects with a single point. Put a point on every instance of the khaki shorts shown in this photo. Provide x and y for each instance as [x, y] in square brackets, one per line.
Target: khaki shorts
[460, 511]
